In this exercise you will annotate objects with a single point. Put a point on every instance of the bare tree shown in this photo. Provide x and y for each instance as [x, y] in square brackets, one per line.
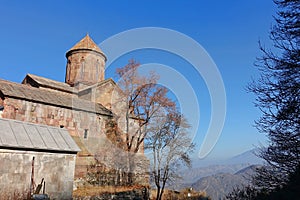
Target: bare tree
[140, 99]
[169, 144]
[105, 170]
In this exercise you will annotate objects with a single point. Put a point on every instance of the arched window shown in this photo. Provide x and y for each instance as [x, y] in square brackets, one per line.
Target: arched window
[97, 70]
[85, 134]
[69, 69]
[82, 62]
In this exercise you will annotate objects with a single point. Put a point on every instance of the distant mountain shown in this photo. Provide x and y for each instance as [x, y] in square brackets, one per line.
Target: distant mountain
[248, 171]
[249, 157]
[231, 165]
[219, 178]
[194, 174]
[217, 186]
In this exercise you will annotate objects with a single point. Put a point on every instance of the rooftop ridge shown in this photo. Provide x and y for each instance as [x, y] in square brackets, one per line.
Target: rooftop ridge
[23, 91]
[49, 83]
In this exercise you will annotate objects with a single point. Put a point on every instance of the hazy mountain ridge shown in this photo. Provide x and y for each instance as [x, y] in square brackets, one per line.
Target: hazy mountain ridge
[192, 175]
[217, 186]
[248, 170]
[221, 177]
[249, 157]
[231, 166]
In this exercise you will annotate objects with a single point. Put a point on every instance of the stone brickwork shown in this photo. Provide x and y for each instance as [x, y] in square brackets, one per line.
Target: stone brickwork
[85, 66]
[56, 169]
[82, 105]
[75, 121]
[104, 94]
[85, 63]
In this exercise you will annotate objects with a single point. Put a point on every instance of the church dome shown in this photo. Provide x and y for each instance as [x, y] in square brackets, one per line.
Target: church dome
[85, 63]
[86, 43]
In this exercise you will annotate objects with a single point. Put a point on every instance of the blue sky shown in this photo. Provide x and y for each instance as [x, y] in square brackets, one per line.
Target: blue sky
[35, 36]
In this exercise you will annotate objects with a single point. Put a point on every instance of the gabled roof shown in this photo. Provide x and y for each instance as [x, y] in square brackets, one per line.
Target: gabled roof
[44, 96]
[48, 83]
[88, 44]
[109, 80]
[36, 137]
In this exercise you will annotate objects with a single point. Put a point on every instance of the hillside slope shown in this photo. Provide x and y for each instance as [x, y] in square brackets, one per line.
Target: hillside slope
[218, 185]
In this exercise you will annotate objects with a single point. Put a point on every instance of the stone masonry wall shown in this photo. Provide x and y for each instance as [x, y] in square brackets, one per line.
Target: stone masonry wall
[85, 66]
[56, 169]
[77, 122]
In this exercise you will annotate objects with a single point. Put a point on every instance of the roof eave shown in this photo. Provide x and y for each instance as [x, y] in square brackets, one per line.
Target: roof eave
[86, 49]
[39, 149]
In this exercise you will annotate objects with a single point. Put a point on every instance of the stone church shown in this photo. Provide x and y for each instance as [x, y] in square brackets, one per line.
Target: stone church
[82, 105]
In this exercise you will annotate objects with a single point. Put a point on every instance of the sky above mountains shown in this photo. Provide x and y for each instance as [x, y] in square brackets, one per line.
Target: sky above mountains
[35, 35]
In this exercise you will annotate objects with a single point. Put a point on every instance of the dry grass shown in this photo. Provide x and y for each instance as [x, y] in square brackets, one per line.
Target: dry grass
[98, 190]
[88, 191]
[16, 195]
[179, 195]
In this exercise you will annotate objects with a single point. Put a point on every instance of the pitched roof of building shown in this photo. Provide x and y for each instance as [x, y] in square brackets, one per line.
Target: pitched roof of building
[48, 83]
[45, 96]
[87, 43]
[109, 80]
[27, 136]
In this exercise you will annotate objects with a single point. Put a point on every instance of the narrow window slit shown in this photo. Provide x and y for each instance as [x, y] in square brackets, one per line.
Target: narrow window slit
[85, 133]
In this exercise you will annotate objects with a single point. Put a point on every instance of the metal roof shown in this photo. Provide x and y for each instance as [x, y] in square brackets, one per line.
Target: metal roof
[27, 136]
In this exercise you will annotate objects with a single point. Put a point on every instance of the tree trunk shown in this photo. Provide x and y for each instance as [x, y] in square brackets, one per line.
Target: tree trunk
[130, 169]
[158, 197]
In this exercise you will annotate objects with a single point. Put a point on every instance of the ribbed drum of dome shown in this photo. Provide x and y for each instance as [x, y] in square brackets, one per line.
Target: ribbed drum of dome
[85, 63]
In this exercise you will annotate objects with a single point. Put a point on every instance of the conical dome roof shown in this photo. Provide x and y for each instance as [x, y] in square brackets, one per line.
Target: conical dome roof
[86, 43]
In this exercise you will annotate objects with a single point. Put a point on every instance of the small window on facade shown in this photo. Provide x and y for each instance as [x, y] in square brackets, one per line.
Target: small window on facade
[85, 133]
[82, 70]
[69, 69]
[97, 70]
